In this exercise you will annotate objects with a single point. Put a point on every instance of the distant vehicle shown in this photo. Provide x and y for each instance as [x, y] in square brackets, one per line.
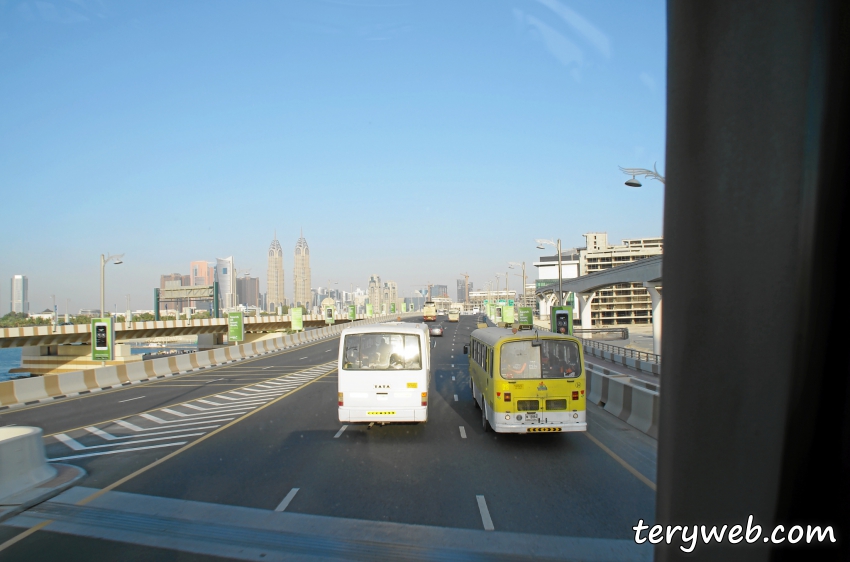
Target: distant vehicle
[476, 310]
[436, 331]
[454, 315]
[384, 373]
[429, 312]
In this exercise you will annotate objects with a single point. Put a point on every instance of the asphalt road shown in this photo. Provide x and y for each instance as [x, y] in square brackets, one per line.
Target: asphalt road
[256, 433]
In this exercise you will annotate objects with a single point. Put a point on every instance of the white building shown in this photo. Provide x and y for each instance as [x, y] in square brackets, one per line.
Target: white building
[19, 297]
[225, 274]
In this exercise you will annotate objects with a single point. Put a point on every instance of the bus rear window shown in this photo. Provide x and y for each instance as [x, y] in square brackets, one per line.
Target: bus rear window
[552, 359]
[381, 352]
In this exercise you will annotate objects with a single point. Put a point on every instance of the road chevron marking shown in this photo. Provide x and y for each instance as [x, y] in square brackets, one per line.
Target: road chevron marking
[217, 414]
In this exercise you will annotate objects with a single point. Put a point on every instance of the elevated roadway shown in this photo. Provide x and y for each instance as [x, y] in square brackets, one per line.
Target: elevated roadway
[647, 271]
[249, 461]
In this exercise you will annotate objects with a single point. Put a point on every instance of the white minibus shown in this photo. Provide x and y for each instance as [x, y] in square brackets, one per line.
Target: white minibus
[384, 373]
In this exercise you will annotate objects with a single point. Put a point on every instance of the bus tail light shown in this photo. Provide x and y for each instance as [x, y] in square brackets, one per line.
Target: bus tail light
[424, 398]
[575, 394]
[507, 397]
[340, 398]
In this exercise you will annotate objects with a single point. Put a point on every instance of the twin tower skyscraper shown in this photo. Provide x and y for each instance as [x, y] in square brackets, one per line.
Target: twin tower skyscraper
[275, 295]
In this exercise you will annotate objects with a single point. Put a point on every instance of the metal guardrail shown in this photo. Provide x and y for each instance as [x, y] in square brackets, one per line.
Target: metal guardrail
[624, 332]
[624, 351]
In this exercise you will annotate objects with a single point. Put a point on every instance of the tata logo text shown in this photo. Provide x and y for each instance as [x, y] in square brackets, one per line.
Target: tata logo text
[382, 386]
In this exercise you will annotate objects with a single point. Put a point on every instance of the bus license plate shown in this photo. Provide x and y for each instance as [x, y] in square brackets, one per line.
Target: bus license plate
[531, 417]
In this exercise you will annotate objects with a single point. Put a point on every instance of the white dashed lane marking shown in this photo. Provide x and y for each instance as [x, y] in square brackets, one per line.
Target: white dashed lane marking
[338, 433]
[285, 503]
[485, 513]
[462, 432]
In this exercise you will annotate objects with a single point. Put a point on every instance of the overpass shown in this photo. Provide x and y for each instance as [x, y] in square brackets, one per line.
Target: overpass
[646, 271]
[61, 348]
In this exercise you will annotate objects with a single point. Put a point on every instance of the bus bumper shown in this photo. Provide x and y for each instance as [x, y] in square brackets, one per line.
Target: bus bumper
[552, 422]
[387, 415]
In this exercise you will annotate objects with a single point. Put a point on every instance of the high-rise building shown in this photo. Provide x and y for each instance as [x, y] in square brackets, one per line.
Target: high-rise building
[375, 289]
[274, 277]
[461, 291]
[173, 281]
[248, 291]
[301, 268]
[439, 291]
[389, 294]
[201, 273]
[225, 275]
[20, 295]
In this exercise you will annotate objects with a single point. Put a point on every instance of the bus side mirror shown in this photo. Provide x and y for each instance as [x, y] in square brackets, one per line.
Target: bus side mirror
[466, 350]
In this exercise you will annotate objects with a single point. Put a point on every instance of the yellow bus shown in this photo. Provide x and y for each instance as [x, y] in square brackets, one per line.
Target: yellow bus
[429, 312]
[527, 382]
[454, 315]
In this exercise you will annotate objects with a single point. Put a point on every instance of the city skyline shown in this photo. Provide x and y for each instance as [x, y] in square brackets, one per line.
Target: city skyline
[402, 141]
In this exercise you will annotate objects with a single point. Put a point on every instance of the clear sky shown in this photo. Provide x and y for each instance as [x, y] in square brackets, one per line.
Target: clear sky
[416, 140]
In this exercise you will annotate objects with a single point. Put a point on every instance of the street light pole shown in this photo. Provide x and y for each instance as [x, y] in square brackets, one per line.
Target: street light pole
[540, 243]
[103, 261]
[652, 174]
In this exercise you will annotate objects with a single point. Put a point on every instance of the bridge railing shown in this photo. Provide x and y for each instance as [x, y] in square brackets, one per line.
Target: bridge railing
[623, 351]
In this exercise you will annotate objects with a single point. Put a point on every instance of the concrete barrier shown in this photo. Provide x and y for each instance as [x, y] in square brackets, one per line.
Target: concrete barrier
[22, 461]
[624, 397]
[48, 387]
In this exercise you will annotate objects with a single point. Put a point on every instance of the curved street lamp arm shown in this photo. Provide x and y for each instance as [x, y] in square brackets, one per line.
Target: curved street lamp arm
[644, 172]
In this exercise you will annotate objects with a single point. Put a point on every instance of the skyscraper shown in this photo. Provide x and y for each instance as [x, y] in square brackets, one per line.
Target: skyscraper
[375, 289]
[19, 298]
[201, 273]
[274, 277]
[301, 266]
[225, 274]
[248, 290]
[461, 291]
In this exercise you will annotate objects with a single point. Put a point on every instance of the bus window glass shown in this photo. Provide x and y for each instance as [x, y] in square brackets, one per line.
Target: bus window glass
[519, 360]
[559, 359]
[553, 359]
[378, 352]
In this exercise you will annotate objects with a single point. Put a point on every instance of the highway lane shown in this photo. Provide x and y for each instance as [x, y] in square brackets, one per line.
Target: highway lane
[89, 409]
[427, 474]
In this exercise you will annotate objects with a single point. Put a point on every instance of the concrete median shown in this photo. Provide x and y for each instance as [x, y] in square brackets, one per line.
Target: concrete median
[635, 404]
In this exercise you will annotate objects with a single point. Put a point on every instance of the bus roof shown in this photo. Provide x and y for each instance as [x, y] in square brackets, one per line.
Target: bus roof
[491, 336]
[397, 327]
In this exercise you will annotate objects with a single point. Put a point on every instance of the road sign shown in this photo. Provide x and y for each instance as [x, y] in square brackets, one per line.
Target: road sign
[404, 307]
[102, 339]
[511, 302]
[508, 315]
[369, 311]
[296, 315]
[392, 308]
[235, 326]
[526, 316]
[329, 315]
[352, 312]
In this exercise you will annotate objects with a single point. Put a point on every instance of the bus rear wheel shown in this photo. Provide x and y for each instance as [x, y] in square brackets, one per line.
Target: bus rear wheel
[474, 397]
[484, 422]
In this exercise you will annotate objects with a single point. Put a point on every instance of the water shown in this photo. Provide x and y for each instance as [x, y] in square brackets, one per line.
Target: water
[10, 357]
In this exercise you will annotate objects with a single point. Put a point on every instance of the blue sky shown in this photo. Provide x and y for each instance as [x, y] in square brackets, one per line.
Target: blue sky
[415, 140]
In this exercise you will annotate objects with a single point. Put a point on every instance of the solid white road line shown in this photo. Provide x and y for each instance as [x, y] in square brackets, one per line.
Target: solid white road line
[455, 397]
[485, 513]
[462, 432]
[283, 505]
[264, 368]
[118, 451]
[300, 358]
[338, 433]
[130, 399]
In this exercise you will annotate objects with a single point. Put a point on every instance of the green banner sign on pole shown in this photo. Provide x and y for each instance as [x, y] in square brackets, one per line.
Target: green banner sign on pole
[392, 308]
[511, 302]
[404, 307]
[296, 316]
[369, 312]
[235, 327]
[102, 339]
[329, 315]
[508, 315]
[526, 317]
[352, 312]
